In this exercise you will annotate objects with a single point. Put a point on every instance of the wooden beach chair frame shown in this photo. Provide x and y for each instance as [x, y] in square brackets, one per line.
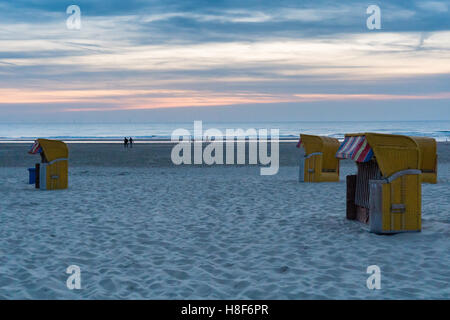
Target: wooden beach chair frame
[395, 199]
[319, 163]
[52, 174]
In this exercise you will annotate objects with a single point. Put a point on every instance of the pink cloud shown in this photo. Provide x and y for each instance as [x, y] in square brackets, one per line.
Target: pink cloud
[156, 99]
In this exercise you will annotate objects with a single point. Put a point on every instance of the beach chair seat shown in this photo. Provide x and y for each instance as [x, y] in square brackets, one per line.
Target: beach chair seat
[53, 176]
[395, 203]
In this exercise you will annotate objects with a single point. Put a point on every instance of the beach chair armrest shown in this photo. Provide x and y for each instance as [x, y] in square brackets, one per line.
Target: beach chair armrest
[399, 174]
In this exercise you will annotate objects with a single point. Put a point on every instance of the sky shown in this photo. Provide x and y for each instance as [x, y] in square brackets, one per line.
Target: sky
[165, 60]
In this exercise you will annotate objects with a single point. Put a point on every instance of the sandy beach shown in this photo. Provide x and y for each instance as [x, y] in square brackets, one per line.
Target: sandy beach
[140, 227]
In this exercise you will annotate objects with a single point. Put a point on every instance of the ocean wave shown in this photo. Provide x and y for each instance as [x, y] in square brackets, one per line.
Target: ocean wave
[162, 131]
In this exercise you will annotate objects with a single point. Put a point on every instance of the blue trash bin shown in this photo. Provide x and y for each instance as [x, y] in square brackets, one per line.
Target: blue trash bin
[32, 175]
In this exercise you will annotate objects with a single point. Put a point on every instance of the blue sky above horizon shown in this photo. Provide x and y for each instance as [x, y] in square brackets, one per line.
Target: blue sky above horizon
[224, 60]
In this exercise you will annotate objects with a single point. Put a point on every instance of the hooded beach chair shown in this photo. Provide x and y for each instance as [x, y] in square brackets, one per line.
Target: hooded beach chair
[52, 173]
[386, 192]
[319, 163]
[428, 158]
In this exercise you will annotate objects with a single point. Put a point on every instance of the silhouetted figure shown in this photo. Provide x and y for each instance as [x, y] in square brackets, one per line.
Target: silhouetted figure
[131, 142]
[125, 142]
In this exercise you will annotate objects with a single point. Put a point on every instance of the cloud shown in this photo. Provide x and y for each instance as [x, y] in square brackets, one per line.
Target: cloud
[434, 6]
[167, 54]
[109, 100]
[379, 55]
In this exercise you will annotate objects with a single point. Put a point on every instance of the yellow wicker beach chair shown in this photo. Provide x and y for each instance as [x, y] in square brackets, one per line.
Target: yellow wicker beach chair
[386, 192]
[52, 173]
[319, 163]
[428, 158]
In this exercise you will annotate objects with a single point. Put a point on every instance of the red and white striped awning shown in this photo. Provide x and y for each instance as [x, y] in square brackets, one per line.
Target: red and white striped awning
[35, 148]
[300, 144]
[355, 148]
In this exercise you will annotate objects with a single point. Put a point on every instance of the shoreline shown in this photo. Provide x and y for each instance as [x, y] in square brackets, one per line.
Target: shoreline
[152, 154]
[168, 141]
[160, 141]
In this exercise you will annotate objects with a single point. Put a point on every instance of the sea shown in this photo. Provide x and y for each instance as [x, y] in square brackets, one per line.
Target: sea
[148, 131]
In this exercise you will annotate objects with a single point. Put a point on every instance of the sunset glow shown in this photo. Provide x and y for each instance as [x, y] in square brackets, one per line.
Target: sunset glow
[153, 60]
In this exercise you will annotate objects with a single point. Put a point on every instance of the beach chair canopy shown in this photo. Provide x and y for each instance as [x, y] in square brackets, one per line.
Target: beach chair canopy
[326, 145]
[393, 153]
[52, 149]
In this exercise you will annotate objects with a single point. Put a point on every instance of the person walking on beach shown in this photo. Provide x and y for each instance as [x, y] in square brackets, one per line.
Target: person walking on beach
[131, 142]
[125, 142]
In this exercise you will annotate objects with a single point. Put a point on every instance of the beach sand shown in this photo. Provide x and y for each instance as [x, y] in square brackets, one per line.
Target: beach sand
[141, 228]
